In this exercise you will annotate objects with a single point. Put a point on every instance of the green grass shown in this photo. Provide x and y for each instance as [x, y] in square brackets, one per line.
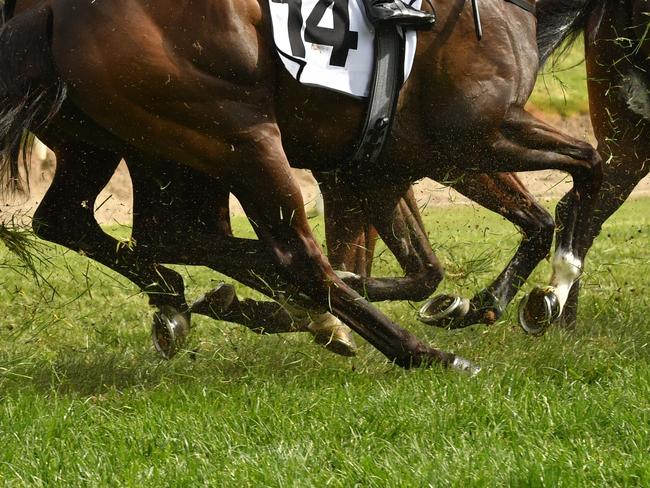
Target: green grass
[562, 86]
[84, 400]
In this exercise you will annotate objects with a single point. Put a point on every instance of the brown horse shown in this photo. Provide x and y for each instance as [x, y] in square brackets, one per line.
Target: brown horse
[87, 157]
[229, 107]
[617, 52]
[617, 47]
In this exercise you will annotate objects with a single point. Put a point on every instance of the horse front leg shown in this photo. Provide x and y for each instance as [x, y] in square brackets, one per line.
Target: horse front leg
[351, 212]
[505, 194]
[281, 225]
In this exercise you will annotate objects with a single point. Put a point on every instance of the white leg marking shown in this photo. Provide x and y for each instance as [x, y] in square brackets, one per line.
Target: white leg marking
[325, 327]
[346, 274]
[566, 270]
[326, 323]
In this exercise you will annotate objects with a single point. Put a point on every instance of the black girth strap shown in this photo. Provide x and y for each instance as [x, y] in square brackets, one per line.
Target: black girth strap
[384, 91]
[527, 5]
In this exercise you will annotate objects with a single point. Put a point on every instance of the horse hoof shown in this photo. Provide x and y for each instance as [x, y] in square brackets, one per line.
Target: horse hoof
[334, 336]
[216, 301]
[538, 311]
[466, 366]
[443, 310]
[169, 331]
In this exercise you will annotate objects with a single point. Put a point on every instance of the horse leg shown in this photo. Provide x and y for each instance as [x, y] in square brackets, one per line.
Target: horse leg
[350, 239]
[506, 195]
[618, 84]
[65, 216]
[281, 225]
[620, 177]
[528, 144]
[351, 213]
[248, 261]
[405, 236]
[178, 204]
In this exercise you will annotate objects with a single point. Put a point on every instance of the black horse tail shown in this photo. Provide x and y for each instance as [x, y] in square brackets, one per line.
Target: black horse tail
[31, 91]
[559, 21]
[8, 10]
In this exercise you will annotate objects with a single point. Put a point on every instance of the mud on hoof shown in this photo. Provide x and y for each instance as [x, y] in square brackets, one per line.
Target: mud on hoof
[215, 302]
[446, 311]
[538, 311]
[451, 312]
[169, 331]
[333, 335]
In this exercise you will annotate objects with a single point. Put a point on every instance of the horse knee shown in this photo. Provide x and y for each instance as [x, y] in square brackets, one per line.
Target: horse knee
[591, 172]
[44, 224]
[544, 230]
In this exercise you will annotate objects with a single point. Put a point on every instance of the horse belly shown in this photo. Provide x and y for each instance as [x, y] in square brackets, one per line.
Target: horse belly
[135, 77]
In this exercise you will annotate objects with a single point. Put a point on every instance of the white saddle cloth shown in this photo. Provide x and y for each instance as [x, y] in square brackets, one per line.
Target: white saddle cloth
[329, 43]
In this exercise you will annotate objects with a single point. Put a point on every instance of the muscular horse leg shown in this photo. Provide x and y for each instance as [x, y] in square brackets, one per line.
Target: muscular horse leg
[525, 143]
[618, 85]
[282, 228]
[350, 240]
[65, 216]
[620, 177]
[351, 213]
[505, 194]
[405, 236]
[177, 205]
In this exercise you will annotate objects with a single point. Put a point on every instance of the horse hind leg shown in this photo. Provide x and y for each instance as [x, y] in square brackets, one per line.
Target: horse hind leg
[281, 224]
[503, 193]
[65, 216]
[621, 176]
[528, 144]
[179, 206]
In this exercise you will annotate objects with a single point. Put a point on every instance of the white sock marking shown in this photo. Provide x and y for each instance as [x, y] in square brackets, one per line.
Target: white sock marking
[566, 270]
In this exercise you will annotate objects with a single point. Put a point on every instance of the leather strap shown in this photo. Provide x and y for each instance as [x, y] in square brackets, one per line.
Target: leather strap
[387, 80]
[526, 5]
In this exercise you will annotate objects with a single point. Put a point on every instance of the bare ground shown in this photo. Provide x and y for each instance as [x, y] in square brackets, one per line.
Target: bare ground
[114, 204]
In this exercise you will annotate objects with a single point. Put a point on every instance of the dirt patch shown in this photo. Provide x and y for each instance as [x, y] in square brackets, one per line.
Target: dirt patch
[114, 204]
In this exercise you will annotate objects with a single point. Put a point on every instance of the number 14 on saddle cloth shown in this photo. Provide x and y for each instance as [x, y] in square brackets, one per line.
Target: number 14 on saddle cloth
[330, 43]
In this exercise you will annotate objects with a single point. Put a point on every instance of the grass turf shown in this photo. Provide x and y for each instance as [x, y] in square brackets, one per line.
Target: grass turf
[84, 400]
[562, 85]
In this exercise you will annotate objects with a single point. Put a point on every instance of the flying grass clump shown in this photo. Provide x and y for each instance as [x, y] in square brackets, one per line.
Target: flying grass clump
[24, 245]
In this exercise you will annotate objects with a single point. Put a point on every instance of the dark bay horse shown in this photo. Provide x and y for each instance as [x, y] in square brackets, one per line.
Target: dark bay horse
[351, 232]
[617, 53]
[164, 94]
[88, 155]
